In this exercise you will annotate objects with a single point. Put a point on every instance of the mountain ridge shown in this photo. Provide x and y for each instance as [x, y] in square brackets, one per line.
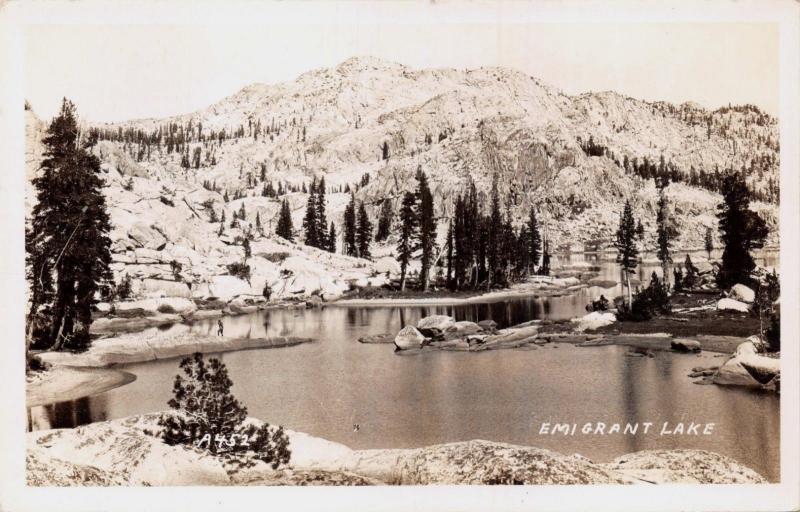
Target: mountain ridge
[367, 125]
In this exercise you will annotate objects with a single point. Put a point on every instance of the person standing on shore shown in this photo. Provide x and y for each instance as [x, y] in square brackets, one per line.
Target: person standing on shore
[219, 327]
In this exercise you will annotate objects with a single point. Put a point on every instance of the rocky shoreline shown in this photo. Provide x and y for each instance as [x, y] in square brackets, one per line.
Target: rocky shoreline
[70, 375]
[747, 366]
[128, 451]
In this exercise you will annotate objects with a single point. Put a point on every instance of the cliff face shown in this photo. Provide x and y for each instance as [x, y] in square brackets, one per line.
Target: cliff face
[384, 120]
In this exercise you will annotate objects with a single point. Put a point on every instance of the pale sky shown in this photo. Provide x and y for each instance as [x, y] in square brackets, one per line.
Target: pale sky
[120, 72]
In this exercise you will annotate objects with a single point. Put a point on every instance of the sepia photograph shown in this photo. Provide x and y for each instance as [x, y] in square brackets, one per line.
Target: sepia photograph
[402, 244]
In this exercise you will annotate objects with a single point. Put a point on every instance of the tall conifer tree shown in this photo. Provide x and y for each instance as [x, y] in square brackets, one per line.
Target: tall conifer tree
[408, 233]
[350, 225]
[534, 240]
[284, 228]
[67, 243]
[741, 230]
[384, 221]
[363, 233]
[627, 253]
[427, 228]
[310, 221]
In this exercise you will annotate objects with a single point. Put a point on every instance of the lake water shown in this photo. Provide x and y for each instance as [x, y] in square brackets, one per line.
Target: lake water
[325, 387]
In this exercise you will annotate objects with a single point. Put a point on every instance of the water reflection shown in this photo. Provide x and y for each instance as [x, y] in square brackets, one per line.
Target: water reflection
[323, 388]
[405, 401]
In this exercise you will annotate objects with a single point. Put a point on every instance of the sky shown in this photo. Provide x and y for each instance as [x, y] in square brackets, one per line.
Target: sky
[119, 72]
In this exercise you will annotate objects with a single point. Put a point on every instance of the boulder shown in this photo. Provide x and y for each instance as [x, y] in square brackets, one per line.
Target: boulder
[144, 236]
[440, 322]
[169, 305]
[594, 320]
[732, 373]
[148, 255]
[387, 264]
[464, 328]
[306, 277]
[431, 333]
[227, 287]
[488, 325]
[685, 345]
[408, 337]
[742, 293]
[163, 288]
[476, 338]
[732, 305]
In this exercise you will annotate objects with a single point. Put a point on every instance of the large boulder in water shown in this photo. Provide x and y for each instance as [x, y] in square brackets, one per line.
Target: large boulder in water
[742, 293]
[488, 325]
[465, 327]
[732, 305]
[748, 368]
[408, 337]
[441, 322]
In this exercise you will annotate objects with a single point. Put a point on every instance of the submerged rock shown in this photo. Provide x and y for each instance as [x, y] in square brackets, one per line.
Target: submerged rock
[685, 345]
[377, 338]
[408, 337]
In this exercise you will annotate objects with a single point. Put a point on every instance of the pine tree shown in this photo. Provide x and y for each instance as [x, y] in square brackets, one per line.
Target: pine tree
[462, 257]
[320, 217]
[493, 225]
[350, 226]
[709, 241]
[284, 227]
[741, 230]
[450, 284]
[639, 230]
[310, 221]
[408, 233]
[664, 234]
[363, 233]
[259, 227]
[207, 416]
[247, 249]
[534, 239]
[427, 228]
[691, 273]
[332, 238]
[67, 243]
[544, 269]
[627, 253]
[384, 221]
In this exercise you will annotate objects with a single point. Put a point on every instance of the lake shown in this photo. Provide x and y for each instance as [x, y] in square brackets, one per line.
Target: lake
[324, 388]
